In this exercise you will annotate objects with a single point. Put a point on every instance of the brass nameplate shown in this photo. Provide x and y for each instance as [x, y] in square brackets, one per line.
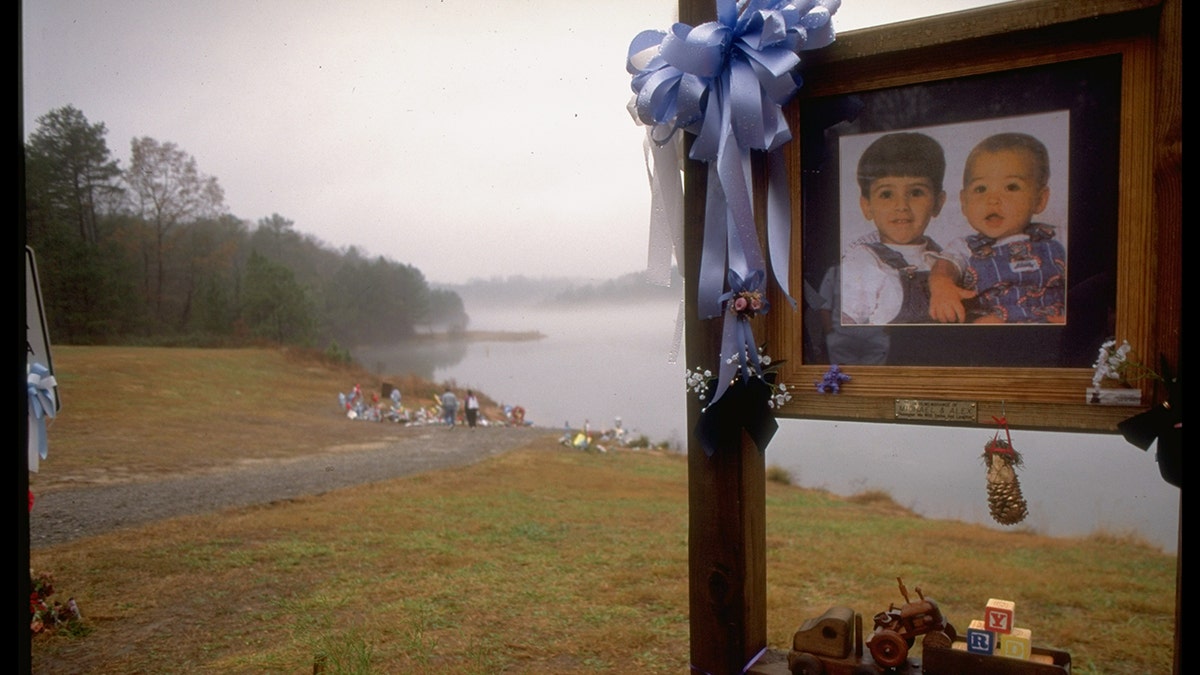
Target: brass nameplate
[936, 411]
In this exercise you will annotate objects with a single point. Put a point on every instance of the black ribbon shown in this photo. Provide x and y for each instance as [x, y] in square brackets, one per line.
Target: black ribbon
[744, 406]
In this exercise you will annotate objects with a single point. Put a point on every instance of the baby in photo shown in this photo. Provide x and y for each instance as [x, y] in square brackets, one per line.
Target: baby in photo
[1012, 269]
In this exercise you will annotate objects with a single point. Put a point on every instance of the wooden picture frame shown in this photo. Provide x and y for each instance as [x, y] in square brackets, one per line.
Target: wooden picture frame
[1104, 68]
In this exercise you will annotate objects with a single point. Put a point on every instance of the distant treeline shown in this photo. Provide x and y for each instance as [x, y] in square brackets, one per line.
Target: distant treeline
[148, 254]
[562, 292]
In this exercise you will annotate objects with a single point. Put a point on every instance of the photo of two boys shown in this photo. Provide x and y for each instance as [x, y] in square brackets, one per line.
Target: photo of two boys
[920, 248]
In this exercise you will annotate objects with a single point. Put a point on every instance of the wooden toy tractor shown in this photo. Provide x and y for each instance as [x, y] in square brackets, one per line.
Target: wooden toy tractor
[897, 628]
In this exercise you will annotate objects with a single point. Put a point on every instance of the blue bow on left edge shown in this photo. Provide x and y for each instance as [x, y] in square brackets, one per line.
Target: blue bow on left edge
[726, 81]
[39, 384]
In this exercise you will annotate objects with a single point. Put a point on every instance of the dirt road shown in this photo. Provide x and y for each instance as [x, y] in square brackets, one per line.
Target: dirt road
[64, 515]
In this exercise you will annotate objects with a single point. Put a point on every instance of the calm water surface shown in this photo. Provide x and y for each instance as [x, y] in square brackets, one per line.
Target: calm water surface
[600, 363]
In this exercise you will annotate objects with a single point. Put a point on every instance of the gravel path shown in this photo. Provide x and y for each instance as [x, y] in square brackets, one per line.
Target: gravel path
[65, 515]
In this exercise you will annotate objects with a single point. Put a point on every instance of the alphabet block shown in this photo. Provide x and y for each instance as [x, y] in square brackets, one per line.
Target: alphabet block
[998, 615]
[980, 640]
[1017, 645]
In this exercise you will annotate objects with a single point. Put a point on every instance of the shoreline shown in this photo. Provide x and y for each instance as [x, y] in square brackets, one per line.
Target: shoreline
[477, 336]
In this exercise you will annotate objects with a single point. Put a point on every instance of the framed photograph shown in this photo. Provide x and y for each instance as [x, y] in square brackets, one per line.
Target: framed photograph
[894, 223]
[975, 214]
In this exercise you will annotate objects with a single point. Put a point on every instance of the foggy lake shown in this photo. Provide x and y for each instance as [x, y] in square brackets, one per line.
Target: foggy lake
[603, 362]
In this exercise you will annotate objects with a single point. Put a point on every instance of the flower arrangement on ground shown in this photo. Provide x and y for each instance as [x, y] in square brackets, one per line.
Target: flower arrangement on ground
[46, 615]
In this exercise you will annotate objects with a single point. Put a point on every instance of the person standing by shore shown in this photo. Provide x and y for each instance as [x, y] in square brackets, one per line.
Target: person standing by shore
[472, 407]
[449, 407]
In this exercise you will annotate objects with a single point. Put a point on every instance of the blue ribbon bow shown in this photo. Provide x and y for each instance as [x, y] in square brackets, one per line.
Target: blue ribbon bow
[739, 353]
[726, 81]
[39, 384]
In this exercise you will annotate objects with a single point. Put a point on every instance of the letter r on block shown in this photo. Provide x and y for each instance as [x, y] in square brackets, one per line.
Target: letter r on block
[981, 642]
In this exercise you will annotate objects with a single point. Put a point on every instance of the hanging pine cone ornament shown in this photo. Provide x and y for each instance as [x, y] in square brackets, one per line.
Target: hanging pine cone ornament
[1005, 501]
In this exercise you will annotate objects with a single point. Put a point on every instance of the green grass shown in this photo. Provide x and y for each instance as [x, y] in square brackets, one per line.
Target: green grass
[504, 565]
[548, 560]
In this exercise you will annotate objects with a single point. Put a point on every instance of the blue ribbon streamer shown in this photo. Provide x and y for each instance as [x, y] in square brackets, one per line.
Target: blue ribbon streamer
[726, 82]
[39, 385]
[739, 353]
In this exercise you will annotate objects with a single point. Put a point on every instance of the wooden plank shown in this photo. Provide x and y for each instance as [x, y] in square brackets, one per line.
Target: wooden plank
[727, 587]
[1003, 19]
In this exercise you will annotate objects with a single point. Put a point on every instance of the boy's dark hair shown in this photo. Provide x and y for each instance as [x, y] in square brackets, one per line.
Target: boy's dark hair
[1013, 141]
[905, 153]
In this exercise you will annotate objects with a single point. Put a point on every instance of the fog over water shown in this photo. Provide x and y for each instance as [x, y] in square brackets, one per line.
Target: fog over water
[594, 365]
[600, 362]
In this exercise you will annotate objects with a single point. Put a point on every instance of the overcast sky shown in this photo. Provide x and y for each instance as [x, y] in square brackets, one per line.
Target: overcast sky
[468, 139]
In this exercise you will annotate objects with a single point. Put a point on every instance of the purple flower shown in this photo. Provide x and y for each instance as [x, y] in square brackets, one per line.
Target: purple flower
[832, 381]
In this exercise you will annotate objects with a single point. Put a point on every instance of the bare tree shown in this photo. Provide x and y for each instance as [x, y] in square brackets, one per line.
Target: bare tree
[168, 190]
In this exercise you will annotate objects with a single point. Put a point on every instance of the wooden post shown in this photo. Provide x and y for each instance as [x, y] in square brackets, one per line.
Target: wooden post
[1168, 188]
[726, 492]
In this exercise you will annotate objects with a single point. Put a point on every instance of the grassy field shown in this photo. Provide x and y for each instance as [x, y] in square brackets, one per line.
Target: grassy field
[544, 560]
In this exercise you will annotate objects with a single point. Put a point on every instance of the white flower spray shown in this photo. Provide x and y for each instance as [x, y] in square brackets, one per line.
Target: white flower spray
[1118, 363]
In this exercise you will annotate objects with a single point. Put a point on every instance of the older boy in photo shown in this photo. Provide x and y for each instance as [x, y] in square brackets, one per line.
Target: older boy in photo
[885, 274]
